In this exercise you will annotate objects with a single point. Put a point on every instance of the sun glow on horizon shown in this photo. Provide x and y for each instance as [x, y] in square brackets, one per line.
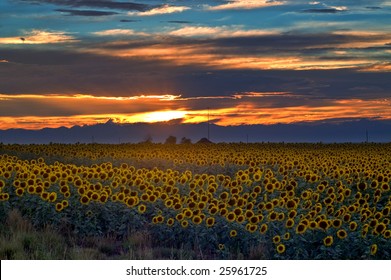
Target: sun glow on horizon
[158, 116]
[243, 108]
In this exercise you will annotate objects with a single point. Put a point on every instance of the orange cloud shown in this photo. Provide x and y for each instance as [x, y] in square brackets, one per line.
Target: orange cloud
[165, 9]
[39, 111]
[39, 37]
[48, 105]
[244, 4]
[250, 115]
[119, 32]
[219, 32]
[378, 67]
[209, 56]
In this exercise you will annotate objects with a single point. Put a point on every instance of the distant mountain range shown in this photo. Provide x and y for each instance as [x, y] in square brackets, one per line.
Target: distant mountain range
[110, 132]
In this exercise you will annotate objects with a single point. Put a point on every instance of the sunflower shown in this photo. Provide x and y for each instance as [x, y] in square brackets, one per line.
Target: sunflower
[272, 216]
[19, 191]
[180, 216]
[342, 234]
[170, 222]
[65, 203]
[373, 249]
[263, 228]
[373, 223]
[323, 224]
[337, 223]
[292, 214]
[233, 233]
[281, 216]
[312, 224]
[210, 221]
[280, 248]
[52, 197]
[184, 223]
[188, 213]
[362, 186]
[380, 228]
[45, 196]
[84, 199]
[269, 206]
[38, 189]
[132, 201]
[385, 187]
[224, 211]
[276, 239]
[31, 189]
[59, 207]
[240, 218]
[238, 211]
[289, 223]
[95, 196]
[328, 240]
[251, 228]
[353, 226]
[387, 234]
[197, 219]
[224, 196]
[364, 231]
[301, 228]
[141, 208]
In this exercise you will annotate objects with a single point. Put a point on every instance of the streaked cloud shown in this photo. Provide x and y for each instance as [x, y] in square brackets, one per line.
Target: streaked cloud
[241, 108]
[87, 13]
[39, 37]
[129, 20]
[350, 109]
[108, 4]
[250, 61]
[244, 4]
[222, 31]
[331, 10]
[179, 21]
[164, 9]
[119, 32]
[377, 67]
[215, 57]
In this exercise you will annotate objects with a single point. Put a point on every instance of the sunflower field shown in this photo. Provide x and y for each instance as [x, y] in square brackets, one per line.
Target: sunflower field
[222, 201]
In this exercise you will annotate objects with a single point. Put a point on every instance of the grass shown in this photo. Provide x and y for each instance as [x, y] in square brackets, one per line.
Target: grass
[19, 240]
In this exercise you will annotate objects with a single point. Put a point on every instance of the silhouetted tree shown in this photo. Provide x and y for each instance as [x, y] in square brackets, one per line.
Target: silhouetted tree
[185, 140]
[147, 140]
[170, 140]
[204, 141]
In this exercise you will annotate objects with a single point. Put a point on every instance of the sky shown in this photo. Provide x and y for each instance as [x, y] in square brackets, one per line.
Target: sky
[242, 62]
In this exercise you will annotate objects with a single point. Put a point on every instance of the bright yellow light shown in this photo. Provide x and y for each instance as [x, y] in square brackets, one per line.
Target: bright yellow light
[158, 116]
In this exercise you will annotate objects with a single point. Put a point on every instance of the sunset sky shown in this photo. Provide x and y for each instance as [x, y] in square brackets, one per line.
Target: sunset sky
[76, 62]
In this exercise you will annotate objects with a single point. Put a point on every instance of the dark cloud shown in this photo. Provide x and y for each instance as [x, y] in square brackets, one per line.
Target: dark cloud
[288, 43]
[373, 8]
[178, 21]
[129, 20]
[323, 11]
[108, 4]
[47, 72]
[88, 13]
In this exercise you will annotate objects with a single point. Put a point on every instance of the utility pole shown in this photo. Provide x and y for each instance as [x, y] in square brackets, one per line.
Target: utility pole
[366, 134]
[208, 125]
